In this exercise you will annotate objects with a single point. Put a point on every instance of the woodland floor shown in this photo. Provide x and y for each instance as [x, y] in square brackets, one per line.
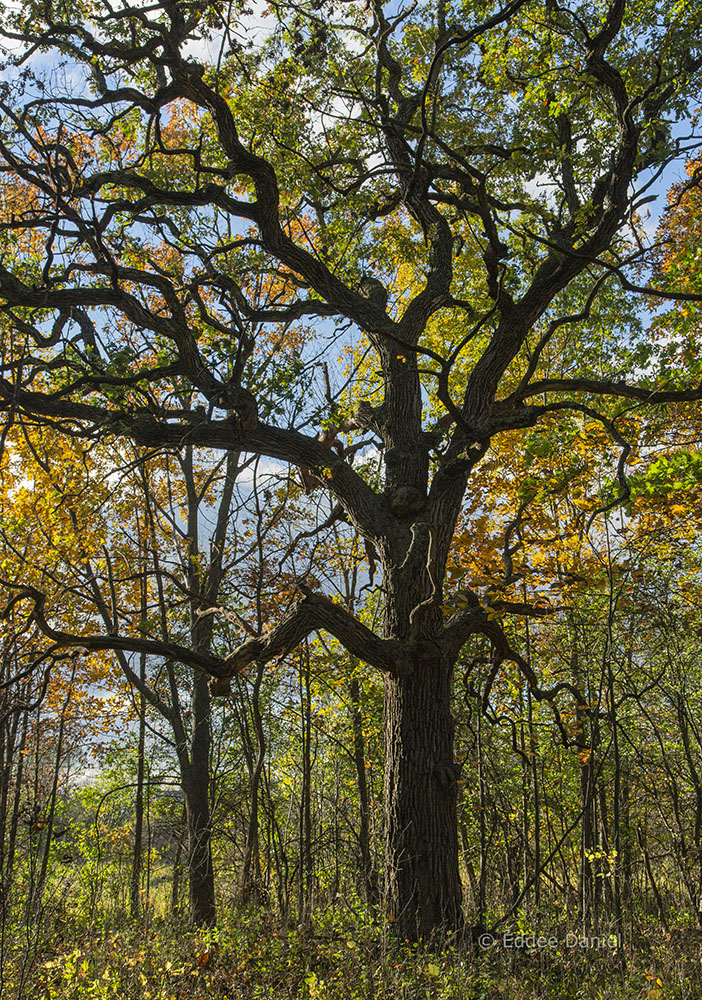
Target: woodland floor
[252, 955]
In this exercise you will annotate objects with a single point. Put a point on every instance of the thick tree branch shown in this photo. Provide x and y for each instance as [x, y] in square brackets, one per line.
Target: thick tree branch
[176, 428]
[310, 613]
[210, 665]
[596, 387]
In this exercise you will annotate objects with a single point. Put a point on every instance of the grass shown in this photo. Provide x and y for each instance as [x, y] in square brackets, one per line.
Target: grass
[254, 955]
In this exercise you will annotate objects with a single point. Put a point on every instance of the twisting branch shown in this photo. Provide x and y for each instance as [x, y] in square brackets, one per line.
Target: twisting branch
[476, 620]
[212, 666]
[308, 614]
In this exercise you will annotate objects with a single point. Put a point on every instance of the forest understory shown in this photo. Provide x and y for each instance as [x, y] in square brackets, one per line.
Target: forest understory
[344, 954]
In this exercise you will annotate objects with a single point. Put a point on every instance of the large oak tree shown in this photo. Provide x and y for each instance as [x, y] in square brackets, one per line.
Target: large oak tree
[458, 187]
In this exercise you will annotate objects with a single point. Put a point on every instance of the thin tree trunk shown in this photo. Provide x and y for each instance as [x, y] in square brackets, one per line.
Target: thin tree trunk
[15, 815]
[7, 759]
[534, 771]
[177, 865]
[203, 910]
[697, 787]
[662, 915]
[135, 882]
[482, 805]
[368, 875]
[251, 870]
[305, 831]
[587, 902]
[49, 824]
[616, 808]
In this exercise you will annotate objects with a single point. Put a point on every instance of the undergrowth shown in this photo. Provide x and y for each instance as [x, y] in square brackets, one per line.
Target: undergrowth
[254, 955]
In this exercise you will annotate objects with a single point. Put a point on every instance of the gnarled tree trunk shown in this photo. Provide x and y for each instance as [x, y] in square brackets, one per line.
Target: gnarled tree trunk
[423, 886]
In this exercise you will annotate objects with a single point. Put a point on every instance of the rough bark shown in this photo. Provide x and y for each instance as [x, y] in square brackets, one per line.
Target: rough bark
[251, 884]
[196, 788]
[423, 886]
[135, 881]
[368, 874]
